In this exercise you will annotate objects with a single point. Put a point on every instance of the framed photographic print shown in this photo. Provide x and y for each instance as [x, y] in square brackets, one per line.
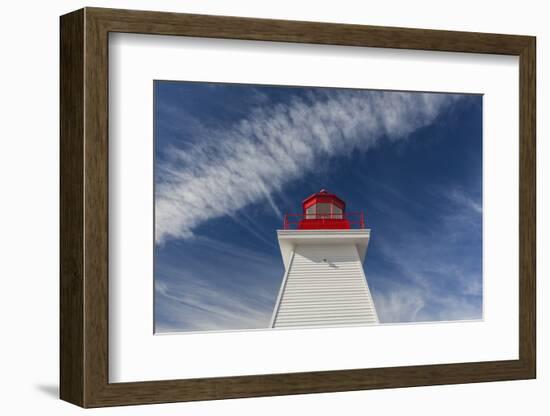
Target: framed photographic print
[255, 207]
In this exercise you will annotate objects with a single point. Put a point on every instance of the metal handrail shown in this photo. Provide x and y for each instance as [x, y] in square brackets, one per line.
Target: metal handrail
[356, 219]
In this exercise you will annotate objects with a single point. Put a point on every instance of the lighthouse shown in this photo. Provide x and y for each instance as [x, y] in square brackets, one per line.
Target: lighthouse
[323, 251]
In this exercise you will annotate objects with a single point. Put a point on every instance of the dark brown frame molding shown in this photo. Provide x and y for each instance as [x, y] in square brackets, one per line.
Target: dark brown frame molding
[84, 209]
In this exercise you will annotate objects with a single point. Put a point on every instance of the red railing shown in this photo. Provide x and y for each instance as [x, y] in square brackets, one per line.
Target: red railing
[348, 220]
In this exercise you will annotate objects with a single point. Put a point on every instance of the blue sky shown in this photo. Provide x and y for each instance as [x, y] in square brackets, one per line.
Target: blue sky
[231, 159]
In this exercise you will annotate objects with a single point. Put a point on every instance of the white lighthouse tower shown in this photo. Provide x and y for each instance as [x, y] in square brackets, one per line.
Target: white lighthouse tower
[323, 252]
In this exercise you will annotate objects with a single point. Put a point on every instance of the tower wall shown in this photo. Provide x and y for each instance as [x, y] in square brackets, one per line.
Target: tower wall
[324, 285]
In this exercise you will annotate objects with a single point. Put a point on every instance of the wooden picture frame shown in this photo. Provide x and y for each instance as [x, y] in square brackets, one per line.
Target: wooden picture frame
[84, 207]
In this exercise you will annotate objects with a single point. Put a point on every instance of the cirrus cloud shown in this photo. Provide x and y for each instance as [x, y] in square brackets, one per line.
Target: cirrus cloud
[246, 162]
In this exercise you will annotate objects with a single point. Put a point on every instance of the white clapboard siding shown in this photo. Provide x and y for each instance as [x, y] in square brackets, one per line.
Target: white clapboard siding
[324, 285]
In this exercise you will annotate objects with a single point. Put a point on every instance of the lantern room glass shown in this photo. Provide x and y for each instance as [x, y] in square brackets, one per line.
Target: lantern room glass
[323, 210]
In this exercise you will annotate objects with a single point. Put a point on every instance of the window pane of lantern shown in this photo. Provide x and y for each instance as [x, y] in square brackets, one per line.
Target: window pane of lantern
[336, 212]
[310, 212]
[323, 210]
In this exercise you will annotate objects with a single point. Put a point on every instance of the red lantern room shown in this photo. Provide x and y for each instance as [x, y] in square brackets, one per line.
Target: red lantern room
[324, 211]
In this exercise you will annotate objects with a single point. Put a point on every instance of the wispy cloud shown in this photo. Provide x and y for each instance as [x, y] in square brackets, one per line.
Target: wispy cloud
[436, 269]
[250, 160]
[199, 307]
[462, 198]
[411, 304]
[194, 296]
[401, 304]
